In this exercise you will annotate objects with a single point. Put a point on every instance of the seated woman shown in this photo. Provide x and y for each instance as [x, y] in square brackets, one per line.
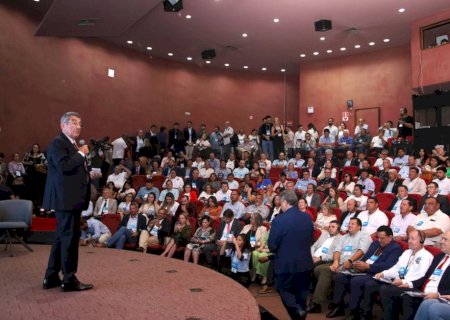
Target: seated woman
[187, 191]
[255, 231]
[347, 184]
[203, 235]
[150, 207]
[258, 268]
[214, 182]
[113, 189]
[327, 165]
[170, 204]
[240, 259]
[247, 195]
[333, 199]
[126, 189]
[269, 194]
[124, 207]
[155, 169]
[16, 175]
[180, 237]
[435, 162]
[256, 170]
[157, 229]
[206, 193]
[324, 217]
[291, 173]
[211, 209]
[275, 209]
[440, 153]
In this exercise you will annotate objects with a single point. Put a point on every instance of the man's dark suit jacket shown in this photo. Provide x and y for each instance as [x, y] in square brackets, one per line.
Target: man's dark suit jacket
[68, 183]
[444, 284]
[141, 223]
[193, 135]
[443, 201]
[386, 259]
[316, 201]
[139, 172]
[394, 201]
[199, 183]
[354, 162]
[397, 183]
[291, 238]
[235, 229]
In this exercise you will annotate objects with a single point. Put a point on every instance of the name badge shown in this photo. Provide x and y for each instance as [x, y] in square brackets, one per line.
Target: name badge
[396, 229]
[234, 266]
[419, 223]
[436, 275]
[194, 185]
[402, 272]
[365, 224]
[372, 259]
[325, 250]
[347, 250]
[252, 241]
[267, 133]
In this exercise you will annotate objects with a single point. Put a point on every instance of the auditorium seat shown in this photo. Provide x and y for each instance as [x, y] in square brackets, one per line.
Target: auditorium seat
[384, 200]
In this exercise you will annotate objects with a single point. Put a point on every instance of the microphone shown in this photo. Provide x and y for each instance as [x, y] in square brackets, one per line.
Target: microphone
[81, 143]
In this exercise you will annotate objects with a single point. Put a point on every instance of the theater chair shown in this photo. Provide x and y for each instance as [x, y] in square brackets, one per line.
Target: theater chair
[14, 215]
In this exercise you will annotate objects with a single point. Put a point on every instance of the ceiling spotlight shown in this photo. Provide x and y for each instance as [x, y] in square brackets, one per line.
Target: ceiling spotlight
[170, 54]
[263, 68]
[343, 49]
[208, 61]
[276, 20]
[386, 40]
[244, 35]
[371, 43]
[283, 70]
[302, 55]
[188, 16]
[173, 5]
[329, 51]
[245, 67]
[357, 46]
[315, 53]
[226, 64]
[189, 58]
[149, 48]
[322, 38]
[130, 42]
[401, 10]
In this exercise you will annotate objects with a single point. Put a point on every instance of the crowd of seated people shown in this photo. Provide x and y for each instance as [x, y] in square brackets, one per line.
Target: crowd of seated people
[213, 197]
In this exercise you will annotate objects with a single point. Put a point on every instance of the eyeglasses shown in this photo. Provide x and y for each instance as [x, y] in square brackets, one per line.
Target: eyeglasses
[75, 123]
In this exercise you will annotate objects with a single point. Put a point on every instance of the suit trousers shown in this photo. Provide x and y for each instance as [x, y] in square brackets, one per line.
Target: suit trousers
[145, 240]
[371, 288]
[324, 276]
[396, 304]
[64, 252]
[293, 290]
[354, 285]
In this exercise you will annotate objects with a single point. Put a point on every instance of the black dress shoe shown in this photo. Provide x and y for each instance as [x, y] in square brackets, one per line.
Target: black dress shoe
[49, 283]
[140, 249]
[336, 312]
[314, 308]
[76, 286]
[354, 315]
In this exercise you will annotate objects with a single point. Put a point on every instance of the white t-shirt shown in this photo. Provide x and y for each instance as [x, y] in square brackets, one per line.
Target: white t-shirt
[399, 224]
[444, 186]
[377, 142]
[119, 146]
[438, 220]
[371, 222]
[117, 179]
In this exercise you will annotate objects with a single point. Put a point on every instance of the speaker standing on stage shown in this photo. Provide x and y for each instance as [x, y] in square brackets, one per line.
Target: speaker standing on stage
[67, 192]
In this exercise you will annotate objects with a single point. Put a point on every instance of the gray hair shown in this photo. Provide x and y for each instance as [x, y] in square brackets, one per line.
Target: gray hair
[328, 151]
[289, 196]
[66, 116]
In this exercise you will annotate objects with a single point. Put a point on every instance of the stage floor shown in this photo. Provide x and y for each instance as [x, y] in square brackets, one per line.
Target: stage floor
[128, 285]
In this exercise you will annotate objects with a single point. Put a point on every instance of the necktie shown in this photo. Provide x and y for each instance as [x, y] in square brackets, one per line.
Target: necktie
[228, 228]
[75, 145]
[439, 267]
[105, 206]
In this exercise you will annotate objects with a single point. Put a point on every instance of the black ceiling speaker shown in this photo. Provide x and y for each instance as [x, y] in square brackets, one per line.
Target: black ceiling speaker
[208, 54]
[173, 5]
[323, 25]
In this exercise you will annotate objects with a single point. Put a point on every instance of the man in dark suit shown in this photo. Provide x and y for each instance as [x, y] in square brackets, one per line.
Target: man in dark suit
[176, 139]
[190, 136]
[291, 236]
[402, 194]
[433, 284]
[67, 192]
[432, 192]
[392, 182]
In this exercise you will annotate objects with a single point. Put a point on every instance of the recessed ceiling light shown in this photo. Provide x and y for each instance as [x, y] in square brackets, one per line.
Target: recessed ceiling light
[386, 40]
[329, 51]
[170, 54]
[276, 20]
[36, 0]
[371, 43]
[283, 70]
[263, 68]
[343, 49]
[245, 35]
[111, 73]
[226, 64]
[245, 67]
[208, 61]
[188, 16]
[315, 53]
[130, 42]
[189, 58]
[149, 48]
[357, 46]
[401, 10]
[322, 38]
[302, 55]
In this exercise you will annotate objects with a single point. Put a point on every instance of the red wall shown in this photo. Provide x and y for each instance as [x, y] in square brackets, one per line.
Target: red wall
[377, 79]
[41, 78]
[435, 62]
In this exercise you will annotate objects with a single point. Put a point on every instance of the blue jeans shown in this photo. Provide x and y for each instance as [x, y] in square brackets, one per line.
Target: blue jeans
[433, 309]
[120, 237]
[267, 148]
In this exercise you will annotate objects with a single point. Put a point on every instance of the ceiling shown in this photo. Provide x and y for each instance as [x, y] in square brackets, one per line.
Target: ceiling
[219, 25]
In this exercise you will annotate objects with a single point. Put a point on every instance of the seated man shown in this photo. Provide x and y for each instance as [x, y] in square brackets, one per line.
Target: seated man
[362, 141]
[195, 181]
[402, 194]
[223, 171]
[93, 231]
[381, 255]
[401, 159]
[105, 204]
[384, 173]
[366, 182]
[433, 284]
[232, 183]
[290, 172]
[442, 180]
[345, 142]
[302, 184]
[145, 190]
[120, 175]
[365, 165]
[322, 253]
[347, 215]
[131, 226]
[280, 185]
[280, 162]
[433, 222]
[224, 193]
[235, 205]
[228, 226]
[265, 163]
[391, 184]
[373, 217]
[169, 189]
[414, 183]
[326, 141]
[206, 171]
[327, 182]
[384, 154]
[297, 161]
[156, 230]
[312, 197]
[433, 192]
[350, 160]
[349, 248]
[411, 265]
[240, 171]
[177, 182]
[404, 171]
[262, 182]
[259, 207]
[357, 195]
[400, 222]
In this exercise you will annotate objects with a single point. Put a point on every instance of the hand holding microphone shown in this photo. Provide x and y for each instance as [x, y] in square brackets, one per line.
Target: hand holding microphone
[83, 147]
